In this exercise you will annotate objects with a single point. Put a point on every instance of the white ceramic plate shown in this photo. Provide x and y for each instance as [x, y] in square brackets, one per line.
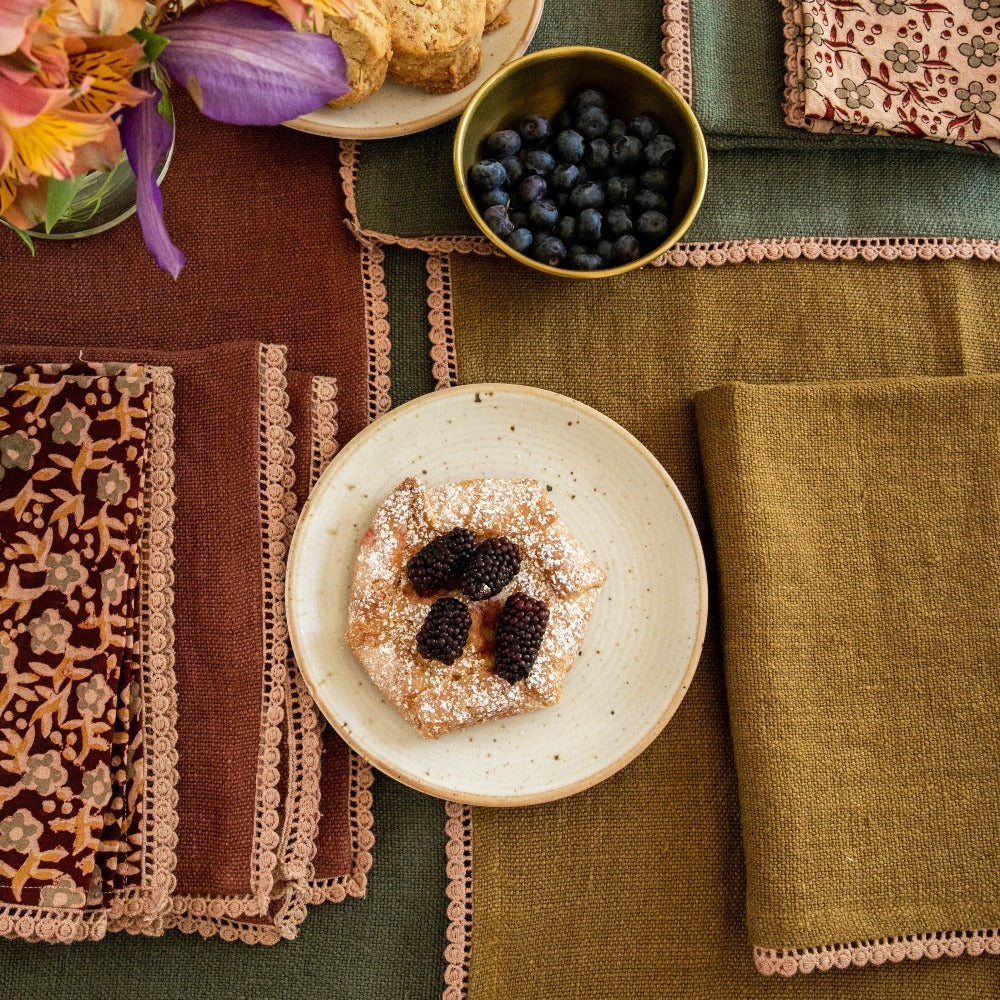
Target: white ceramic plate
[396, 109]
[647, 629]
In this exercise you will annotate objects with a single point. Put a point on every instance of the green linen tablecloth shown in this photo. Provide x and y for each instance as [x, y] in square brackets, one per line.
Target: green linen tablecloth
[767, 181]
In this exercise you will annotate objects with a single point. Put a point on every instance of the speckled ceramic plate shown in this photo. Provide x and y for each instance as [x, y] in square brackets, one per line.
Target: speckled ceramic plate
[396, 109]
[647, 629]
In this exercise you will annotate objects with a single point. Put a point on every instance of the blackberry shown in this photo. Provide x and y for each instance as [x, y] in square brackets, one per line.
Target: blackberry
[492, 566]
[520, 629]
[445, 630]
[440, 562]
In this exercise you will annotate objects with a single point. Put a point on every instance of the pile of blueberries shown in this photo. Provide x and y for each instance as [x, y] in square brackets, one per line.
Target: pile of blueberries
[584, 191]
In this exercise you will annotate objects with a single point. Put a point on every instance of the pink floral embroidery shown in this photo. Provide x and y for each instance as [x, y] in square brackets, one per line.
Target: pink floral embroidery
[922, 68]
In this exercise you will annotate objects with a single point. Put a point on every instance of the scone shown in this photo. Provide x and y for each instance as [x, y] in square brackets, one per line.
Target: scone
[497, 15]
[386, 613]
[436, 44]
[364, 39]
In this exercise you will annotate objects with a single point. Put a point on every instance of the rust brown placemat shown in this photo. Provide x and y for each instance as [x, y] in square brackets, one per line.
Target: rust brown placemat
[635, 889]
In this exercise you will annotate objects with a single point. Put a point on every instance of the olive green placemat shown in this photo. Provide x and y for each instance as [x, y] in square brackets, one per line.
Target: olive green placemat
[635, 888]
[773, 191]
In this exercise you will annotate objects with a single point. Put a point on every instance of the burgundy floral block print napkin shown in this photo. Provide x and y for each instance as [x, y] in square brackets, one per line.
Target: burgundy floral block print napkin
[86, 708]
[917, 67]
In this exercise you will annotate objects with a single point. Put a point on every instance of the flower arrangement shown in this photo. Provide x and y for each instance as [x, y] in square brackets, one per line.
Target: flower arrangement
[80, 86]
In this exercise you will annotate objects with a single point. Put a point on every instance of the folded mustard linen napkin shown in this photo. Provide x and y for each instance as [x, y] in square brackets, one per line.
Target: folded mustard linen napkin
[87, 775]
[856, 528]
[922, 69]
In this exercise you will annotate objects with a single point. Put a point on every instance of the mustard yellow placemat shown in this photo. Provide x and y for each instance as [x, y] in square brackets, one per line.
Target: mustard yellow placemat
[635, 889]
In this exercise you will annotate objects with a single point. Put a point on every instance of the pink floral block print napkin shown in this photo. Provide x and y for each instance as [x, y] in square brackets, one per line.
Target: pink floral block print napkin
[925, 69]
[85, 687]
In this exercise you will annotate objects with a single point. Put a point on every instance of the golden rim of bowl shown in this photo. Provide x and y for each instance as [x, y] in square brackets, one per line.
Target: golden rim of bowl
[626, 62]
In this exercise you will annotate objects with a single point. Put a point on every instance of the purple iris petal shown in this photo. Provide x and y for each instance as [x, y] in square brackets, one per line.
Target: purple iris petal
[246, 65]
[146, 138]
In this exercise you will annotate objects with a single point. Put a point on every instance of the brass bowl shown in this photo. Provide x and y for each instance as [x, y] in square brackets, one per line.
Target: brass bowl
[542, 83]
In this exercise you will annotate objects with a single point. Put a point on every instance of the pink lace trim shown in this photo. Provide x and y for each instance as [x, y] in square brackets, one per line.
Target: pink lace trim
[323, 425]
[794, 101]
[441, 318]
[33, 923]
[458, 828]
[675, 60]
[789, 961]
[355, 883]
[207, 914]
[138, 907]
[377, 325]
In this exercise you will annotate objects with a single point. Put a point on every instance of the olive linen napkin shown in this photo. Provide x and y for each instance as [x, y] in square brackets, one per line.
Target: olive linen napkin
[635, 888]
[88, 771]
[856, 528]
[922, 70]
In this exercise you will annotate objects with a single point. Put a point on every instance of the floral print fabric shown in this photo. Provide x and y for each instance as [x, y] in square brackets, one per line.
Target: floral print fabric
[926, 69]
[72, 454]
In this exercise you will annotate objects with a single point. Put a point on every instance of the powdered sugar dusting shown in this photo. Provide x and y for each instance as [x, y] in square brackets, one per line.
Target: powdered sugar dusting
[385, 613]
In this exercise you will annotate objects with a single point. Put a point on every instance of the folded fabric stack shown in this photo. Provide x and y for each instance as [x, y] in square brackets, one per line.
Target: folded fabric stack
[856, 528]
[921, 69]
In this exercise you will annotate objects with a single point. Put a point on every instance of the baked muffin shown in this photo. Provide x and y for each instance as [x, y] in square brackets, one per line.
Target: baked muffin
[497, 15]
[386, 614]
[365, 42]
[436, 44]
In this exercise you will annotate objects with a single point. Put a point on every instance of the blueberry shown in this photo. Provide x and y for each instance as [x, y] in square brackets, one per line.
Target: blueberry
[587, 195]
[585, 172]
[569, 146]
[531, 189]
[504, 143]
[598, 154]
[625, 250]
[537, 161]
[514, 168]
[566, 229]
[521, 240]
[644, 127]
[534, 129]
[543, 214]
[626, 151]
[581, 259]
[656, 179]
[619, 222]
[652, 227]
[660, 150]
[549, 249]
[487, 174]
[561, 198]
[603, 250]
[495, 197]
[498, 220]
[620, 190]
[519, 218]
[588, 98]
[651, 201]
[565, 177]
[562, 121]
[616, 129]
[592, 122]
[589, 225]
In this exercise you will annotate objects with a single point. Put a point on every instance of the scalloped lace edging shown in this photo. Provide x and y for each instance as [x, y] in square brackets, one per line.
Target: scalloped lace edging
[458, 829]
[323, 425]
[789, 961]
[137, 907]
[441, 319]
[675, 58]
[377, 326]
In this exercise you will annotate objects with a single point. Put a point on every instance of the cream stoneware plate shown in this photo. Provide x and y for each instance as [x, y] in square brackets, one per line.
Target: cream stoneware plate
[396, 109]
[647, 629]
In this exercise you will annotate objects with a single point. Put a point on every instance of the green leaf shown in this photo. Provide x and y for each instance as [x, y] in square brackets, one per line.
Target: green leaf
[28, 241]
[152, 43]
[58, 197]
